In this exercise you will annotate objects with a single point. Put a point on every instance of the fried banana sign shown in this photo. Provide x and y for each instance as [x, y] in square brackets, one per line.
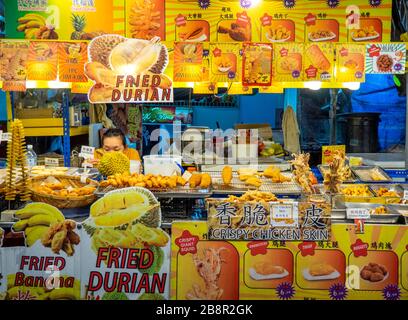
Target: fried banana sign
[128, 70]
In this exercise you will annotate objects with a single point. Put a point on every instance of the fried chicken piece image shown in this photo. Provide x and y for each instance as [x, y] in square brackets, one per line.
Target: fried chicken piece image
[321, 269]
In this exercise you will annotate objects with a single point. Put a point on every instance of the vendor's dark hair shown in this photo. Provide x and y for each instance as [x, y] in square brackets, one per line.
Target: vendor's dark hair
[114, 133]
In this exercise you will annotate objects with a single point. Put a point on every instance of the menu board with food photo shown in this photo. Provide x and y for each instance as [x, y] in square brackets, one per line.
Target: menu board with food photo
[278, 30]
[350, 63]
[13, 60]
[225, 62]
[319, 62]
[145, 19]
[257, 64]
[72, 57]
[287, 62]
[188, 58]
[42, 61]
[385, 58]
[349, 266]
[237, 29]
[370, 30]
[326, 30]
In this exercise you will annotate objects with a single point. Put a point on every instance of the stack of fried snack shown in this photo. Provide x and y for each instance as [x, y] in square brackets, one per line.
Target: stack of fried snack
[275, 174]
[63, 190]
[16, 164]
[150, 181]
[384, 192]
[356, 190]
[254, 196]
[302, 171]
[250, 177]
[338, 172]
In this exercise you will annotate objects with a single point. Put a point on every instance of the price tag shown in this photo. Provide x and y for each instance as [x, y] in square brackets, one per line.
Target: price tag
[51, 162]
[87, 152]
[5, 136]
[405, 194]
[186, 175]
[284, 214]
[358, 213]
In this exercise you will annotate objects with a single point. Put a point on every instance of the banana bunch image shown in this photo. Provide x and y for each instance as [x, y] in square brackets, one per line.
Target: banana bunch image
[35, 220]
[34, 26]
[73, 292]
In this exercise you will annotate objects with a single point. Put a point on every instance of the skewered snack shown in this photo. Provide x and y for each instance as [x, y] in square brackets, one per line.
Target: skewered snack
[302, 171]
[226, 175]
[255, 196]
[63, 188]
[275, 174]
[16, 164]
[332, 179]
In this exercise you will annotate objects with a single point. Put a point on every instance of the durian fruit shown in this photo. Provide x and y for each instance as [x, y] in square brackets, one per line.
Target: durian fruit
[114, 162]
[133, 206]
[136, 56]
[100, 47]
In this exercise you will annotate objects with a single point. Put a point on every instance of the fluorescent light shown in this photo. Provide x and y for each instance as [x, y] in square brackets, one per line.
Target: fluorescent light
[190, 84]
[255, 3]
[313, 85]
[352, 85]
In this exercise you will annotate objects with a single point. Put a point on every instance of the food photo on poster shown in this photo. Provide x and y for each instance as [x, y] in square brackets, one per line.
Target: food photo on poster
[203, 151]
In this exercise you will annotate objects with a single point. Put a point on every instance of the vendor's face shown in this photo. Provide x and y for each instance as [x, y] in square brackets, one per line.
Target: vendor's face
[113, 144]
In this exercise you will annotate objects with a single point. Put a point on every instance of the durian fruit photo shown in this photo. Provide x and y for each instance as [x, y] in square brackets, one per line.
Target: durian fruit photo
[114, 162]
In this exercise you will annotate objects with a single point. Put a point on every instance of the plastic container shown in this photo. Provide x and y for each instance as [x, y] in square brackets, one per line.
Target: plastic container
[164, 165]
[31, 157]
[135, 166]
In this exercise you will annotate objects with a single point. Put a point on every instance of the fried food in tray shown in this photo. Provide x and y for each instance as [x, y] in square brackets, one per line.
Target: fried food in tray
[358, 190]
[64, 187]
[255, 196]
[274, 173]
[385, 192]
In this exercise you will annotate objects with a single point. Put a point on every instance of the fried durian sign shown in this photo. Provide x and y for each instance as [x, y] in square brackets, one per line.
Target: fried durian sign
[128, 70]
[118, 253]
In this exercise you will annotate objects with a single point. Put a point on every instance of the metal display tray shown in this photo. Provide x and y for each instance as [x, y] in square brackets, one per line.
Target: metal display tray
[391, 187]
[181, 192]
[238, 186]
[362, 173]
[402, 209]
[323, 167]
[389, 218]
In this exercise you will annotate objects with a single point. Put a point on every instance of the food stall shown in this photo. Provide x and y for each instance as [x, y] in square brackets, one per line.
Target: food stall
[219, 216]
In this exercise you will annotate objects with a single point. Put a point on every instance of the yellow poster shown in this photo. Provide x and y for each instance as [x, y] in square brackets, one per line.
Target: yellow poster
[13, 60]
[288, 62]
[257, 64]
[238, 88]
[225, 62]
[205, 88]
[188, 58]
[350, 63]
[72, 57]
[319, 62]
[370, 265]
[42, 61]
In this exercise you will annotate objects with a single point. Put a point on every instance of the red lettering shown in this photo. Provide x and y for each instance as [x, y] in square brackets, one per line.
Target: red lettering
[48, 262]
[146, 262]
[124, 252]
[119, 81]
[133, 259]
[101, 256]
[156, 80]
[124, 280]
[155, 95]
[134, 280]
[60, 263]
[33, 263]
[130, 81]
[145, 81]
[23, 262]
[19, 280]
[127, 94]
[95, 276]
[115, 95]
[114, 255]
[138, 94]
[114, 281]
[143, 283]
[166, 95]
[158, 282]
